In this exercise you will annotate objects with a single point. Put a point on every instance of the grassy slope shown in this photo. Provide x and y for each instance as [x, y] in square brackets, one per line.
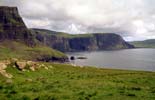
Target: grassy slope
[64, 82]
[12, 49]
[144, 44]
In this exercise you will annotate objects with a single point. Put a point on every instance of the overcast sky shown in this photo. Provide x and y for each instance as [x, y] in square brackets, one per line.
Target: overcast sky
[132, 19]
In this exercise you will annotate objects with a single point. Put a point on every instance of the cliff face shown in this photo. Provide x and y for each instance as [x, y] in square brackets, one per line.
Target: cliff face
[83, 43]
[19, 42]
[12, 26]
[86, 42]
[111, 41]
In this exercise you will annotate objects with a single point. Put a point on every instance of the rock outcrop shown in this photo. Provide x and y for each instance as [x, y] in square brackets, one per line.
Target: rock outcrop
[84, 42]
[12, 26]
[3, 72]
[20, 65]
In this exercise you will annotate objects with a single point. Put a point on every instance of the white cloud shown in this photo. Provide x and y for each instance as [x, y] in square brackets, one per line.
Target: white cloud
[133, 19]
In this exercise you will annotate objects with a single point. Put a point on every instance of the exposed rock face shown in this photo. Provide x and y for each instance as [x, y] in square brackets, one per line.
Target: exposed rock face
[88, 42]
[12, 26]
[111, 41]
[83, 44]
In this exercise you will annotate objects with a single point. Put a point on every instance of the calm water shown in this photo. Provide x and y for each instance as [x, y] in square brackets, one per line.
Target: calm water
[134, 59]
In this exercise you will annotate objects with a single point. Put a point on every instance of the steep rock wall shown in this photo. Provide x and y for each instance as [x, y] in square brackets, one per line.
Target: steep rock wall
[87, 42]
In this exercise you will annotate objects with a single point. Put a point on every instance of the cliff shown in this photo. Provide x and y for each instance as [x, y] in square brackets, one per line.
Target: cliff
[12, 26]
[80, 42]
[16, 40]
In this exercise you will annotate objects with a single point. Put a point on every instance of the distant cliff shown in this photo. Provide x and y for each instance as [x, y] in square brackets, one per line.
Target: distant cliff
[12, 26]
[80, 42]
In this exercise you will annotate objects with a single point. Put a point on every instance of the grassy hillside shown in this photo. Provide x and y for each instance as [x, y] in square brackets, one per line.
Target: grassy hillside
[65, 82]
[144, 44]
[13, 49]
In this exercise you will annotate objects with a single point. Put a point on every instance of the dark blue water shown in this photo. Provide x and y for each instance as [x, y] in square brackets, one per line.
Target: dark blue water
[133, 59]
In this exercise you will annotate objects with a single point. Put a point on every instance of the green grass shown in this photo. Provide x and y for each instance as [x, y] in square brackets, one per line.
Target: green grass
[65, 82]
[13, 49]
[62, 34]
[144, 44]
[74, 35]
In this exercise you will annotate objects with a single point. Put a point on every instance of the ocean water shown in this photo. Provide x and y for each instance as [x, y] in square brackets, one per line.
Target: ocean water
[132, 59]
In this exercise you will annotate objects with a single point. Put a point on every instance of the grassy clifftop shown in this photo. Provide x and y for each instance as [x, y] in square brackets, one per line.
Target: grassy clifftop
[144, 44]
[65, 82]
[14, 49]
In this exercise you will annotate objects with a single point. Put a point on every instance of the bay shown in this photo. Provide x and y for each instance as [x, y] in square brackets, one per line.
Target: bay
[132, 59]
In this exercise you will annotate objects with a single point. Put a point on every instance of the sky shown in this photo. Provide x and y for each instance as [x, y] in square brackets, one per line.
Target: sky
[132, 19]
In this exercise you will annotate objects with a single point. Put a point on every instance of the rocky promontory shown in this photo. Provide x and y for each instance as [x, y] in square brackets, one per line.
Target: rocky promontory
[81, 42]
[17, 41]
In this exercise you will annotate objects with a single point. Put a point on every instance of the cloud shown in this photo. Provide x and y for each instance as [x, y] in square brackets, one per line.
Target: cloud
[132, 19]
